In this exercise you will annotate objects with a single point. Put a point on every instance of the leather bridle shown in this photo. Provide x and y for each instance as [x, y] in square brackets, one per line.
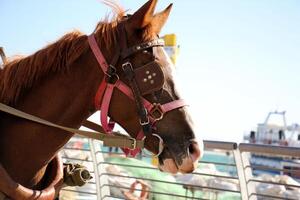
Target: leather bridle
[141, 81]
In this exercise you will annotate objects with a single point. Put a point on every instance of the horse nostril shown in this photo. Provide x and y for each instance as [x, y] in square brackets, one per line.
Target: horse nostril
[194, 151]
[191, 149]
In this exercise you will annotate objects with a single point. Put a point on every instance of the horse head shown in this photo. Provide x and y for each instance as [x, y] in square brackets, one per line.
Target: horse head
[138, 60]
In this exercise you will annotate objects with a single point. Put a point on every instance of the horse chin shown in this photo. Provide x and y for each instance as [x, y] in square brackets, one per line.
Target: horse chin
[189, 163]
[169, 165]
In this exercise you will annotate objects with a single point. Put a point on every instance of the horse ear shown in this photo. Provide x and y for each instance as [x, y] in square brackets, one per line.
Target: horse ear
[143, 16]
[160, 19]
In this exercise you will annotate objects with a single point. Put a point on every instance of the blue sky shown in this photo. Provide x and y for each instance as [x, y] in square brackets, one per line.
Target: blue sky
[238, 59]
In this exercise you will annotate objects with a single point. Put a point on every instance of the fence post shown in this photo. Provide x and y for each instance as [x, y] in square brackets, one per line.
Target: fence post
[251, 186]
[241, 175]
[100, 180]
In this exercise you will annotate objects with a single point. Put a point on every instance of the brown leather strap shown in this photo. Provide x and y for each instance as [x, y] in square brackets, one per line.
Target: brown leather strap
[142, 111]
[131, 50]
[108, 140]
[130, 76]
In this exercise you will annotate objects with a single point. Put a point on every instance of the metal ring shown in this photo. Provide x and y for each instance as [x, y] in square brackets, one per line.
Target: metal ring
[157, 108]
[160, 145]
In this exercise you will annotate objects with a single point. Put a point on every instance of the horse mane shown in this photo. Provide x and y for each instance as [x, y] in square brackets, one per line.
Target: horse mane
[20, 74]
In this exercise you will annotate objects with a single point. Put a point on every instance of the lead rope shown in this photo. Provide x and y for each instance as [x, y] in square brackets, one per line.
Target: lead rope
[108, 140]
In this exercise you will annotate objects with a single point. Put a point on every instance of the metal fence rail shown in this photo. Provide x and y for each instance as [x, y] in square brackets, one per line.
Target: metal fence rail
[236, 171]
[285, 190]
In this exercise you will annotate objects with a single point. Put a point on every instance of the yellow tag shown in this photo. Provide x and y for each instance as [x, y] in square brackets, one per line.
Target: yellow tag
[171, 46]
[154, 161]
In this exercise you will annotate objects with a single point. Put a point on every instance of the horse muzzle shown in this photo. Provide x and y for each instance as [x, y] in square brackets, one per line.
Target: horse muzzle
[188, 163]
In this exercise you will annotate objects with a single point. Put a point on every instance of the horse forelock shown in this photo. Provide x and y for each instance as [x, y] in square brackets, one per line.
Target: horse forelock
[107, 27]
[117, 9]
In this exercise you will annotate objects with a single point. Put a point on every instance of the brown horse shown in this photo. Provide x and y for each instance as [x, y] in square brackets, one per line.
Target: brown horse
[59, 83]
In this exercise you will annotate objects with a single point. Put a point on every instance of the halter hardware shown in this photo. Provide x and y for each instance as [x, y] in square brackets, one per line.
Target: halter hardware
[145, 122]
[111, 75]
[157, 112]
[127, 64]
[160, 145]
[133, 144]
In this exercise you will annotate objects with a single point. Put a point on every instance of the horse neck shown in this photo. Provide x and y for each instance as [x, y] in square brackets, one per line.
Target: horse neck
[63, 98]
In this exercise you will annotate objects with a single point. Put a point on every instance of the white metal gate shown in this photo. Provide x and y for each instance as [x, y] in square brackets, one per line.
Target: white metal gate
[232, 180]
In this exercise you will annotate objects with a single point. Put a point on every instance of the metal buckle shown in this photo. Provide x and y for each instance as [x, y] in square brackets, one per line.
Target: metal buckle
[146, 122]
[113, 69]
[111, 75]
[110, 71]
[133, 144]
[157, 112]
[112, 79]
[124, 65]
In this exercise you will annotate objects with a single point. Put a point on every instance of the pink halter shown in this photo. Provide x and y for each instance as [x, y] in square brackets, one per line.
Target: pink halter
[104, 94]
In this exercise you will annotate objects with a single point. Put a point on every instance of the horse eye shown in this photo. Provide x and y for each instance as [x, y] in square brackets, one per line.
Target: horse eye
[148, 51]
